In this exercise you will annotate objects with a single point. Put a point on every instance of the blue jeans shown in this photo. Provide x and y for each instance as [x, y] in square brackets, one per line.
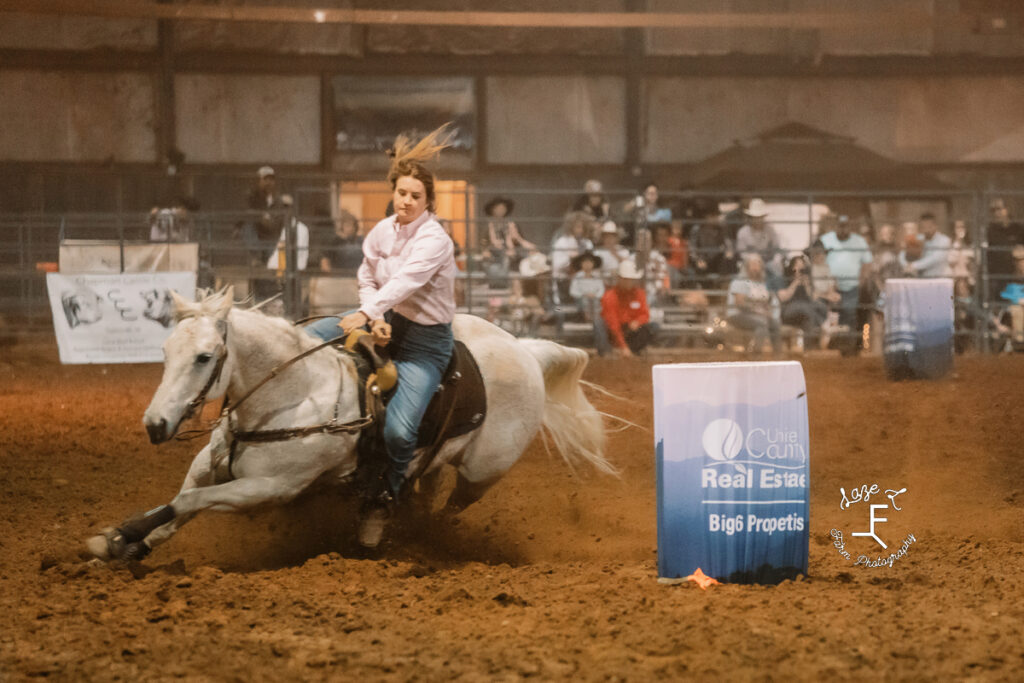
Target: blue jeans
[848, 307]
[421, 354]
[591, 308]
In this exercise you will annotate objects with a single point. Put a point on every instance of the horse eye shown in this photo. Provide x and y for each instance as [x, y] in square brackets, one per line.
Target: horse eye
[204, 357]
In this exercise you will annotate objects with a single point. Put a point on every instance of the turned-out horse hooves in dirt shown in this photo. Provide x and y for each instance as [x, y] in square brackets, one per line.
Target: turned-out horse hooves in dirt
[216, 349]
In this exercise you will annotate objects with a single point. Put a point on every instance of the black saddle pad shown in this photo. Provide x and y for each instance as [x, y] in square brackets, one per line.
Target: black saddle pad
[460, 404]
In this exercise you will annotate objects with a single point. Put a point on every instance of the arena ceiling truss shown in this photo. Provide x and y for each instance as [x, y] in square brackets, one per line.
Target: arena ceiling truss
[139, 9]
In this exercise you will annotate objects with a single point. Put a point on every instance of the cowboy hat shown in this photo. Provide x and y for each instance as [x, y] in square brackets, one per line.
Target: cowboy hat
[265, 172]
[489, 206]
[629, 271]
[592, 187]
[609, 228]
[534, 264]
[757, 208]
[577, 261]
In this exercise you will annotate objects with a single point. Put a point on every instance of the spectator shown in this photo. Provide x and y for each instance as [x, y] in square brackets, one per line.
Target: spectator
[735, 218]
[503, 238]
[656, 274]
[258, 233]
[277, 261]
[535, 273]
[961, 255]
[758, 237]
[711, 250]
[1013, 292]
[342, 250]
[847, 256]
[800, 306]
[643, 211]
[611, 252]
[593, 202]
[750, 305]
[522, 311]
[886, 257]
[587, 289]
[625, 313]
[571, 241]
[264, 195]
[969, 316]
[674, 249]
[934, 259]
[1003, 234]
[821, 275]
[174, 224]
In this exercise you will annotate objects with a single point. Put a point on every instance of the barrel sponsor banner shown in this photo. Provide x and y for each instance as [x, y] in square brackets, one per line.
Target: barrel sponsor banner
[918, 328]
[119, 318]
[733, 470]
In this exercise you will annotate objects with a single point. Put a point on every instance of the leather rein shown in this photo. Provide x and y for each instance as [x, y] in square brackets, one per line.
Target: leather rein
[372, 402]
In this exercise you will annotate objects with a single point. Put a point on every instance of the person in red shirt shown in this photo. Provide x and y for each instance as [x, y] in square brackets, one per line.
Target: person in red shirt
[625, 312]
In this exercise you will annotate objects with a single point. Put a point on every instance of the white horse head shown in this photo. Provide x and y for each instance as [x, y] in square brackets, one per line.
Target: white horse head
[194, 358]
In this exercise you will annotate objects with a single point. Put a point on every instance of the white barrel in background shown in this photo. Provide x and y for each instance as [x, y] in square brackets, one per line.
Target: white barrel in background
[733, 470]
[918, 328]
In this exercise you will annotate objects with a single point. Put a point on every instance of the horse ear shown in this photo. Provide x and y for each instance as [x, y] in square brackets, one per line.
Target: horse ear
[227, 300]
[179, 302]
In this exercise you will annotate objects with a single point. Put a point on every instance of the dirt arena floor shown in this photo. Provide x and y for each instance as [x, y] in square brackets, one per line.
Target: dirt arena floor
[551, 576]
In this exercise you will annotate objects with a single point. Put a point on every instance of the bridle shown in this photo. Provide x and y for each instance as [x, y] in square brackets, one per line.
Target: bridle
[198, 402]
[371, 401]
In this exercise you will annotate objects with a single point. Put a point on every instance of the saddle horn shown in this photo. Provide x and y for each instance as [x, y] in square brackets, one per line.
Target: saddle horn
[361, 342]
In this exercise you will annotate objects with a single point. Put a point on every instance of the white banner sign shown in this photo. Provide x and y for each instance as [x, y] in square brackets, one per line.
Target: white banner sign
[118, 318]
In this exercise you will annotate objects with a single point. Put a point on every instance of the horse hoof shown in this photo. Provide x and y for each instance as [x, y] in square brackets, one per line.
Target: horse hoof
[103, 546]
[110, 545]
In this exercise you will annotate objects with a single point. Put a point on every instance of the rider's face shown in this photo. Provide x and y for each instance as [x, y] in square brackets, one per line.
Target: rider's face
[410, 199]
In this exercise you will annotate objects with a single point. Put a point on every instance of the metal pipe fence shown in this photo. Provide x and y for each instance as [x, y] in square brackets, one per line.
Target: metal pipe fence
[241, 247]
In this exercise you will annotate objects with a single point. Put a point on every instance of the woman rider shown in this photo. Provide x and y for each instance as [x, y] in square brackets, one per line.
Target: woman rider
[407, 297]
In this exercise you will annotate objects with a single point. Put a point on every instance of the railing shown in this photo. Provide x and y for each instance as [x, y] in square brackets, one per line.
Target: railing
[235, 247]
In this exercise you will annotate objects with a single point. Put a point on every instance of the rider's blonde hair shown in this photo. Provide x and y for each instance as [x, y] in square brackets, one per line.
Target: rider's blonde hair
[408, 159]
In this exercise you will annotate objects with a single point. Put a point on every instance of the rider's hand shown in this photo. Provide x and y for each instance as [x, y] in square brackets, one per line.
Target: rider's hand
[381, 332]
[624, 352]
[353, 321]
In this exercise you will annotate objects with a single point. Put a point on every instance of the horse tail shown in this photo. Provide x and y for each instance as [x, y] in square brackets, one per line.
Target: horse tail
[573, 423]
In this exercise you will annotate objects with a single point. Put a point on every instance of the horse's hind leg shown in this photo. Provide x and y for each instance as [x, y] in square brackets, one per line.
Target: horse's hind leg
[466, 493]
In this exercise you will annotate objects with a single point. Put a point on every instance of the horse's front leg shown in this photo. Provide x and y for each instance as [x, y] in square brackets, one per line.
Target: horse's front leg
[134, 539]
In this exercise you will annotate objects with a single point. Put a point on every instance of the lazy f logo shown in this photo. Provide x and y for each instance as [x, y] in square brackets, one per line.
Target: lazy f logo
[874, 520]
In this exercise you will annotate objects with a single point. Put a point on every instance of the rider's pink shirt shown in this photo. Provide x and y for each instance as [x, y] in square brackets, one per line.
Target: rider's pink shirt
[408, 268]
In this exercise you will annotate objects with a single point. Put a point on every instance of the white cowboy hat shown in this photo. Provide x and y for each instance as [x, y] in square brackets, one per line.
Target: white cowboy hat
[265, 171]
[534, 264]
[592, 187]
[757, 209]
[629, 271]
[609, 228]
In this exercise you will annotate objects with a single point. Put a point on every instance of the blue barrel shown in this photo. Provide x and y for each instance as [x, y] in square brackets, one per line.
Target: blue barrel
[918, 328]
[733, 470]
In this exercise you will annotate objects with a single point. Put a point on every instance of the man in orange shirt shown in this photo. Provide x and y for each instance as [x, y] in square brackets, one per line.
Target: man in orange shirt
[624, 310]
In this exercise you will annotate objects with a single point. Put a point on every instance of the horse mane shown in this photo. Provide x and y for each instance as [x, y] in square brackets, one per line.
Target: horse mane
[219, 304]
[208, 302]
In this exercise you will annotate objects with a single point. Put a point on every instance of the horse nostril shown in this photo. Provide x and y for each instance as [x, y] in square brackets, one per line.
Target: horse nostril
[157, 431]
